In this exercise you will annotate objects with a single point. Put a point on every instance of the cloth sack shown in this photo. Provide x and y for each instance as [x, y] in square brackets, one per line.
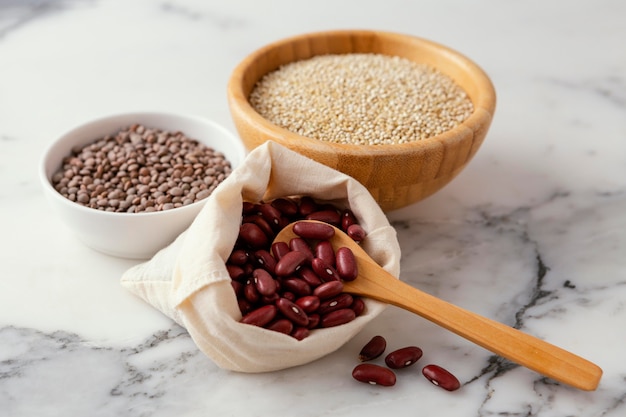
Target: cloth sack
[188, 280]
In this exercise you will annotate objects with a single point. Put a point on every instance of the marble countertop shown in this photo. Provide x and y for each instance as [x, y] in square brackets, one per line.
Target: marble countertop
[532, 233]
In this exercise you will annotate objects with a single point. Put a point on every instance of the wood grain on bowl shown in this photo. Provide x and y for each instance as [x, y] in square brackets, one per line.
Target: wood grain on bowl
[396, 175]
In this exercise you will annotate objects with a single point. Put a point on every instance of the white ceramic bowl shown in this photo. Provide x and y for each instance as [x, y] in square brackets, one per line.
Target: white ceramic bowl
[131, 235]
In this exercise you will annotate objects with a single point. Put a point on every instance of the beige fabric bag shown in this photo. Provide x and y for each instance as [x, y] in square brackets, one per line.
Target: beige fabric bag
[189, 283]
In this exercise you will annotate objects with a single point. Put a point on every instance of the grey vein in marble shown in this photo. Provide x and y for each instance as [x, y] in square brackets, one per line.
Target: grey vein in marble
[60, 370]
[544, 294]
[215, 17]
[14, 14]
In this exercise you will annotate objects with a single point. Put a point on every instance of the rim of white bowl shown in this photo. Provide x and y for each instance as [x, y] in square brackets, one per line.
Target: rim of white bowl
[129, 118]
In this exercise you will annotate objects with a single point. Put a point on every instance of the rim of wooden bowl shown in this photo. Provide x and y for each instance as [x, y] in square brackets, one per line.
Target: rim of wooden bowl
[461, 69]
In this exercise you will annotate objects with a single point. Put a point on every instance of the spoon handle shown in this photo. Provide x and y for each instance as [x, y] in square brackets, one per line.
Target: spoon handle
[519, 347]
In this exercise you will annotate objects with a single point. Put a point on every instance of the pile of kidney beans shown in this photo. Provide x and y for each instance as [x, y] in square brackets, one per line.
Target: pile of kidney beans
[375, 374]
[297, 286]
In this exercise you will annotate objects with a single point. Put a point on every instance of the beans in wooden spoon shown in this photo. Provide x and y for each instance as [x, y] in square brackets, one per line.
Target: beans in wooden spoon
[540, 356]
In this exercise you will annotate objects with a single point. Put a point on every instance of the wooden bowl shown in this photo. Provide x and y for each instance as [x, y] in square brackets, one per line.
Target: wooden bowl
[396, 175]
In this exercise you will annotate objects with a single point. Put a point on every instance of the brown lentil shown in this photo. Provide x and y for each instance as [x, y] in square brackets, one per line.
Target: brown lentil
[140, 169]
[363, 99]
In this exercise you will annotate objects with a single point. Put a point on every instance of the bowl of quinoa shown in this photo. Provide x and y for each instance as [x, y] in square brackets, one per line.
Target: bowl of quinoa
[128, 184]
[401, 114]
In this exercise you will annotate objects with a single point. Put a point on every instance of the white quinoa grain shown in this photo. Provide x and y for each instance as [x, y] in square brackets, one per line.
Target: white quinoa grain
[363, 99]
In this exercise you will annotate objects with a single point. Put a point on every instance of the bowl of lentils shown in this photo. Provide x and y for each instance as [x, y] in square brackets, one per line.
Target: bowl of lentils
[129, 184]
[401, 114]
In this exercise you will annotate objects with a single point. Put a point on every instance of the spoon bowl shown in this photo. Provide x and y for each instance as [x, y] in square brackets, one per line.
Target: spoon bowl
[540, 356]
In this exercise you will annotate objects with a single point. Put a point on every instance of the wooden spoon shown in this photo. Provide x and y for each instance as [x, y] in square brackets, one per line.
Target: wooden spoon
[521, 348]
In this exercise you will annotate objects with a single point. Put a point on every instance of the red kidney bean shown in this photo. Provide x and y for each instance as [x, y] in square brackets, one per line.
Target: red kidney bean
[356, 232]
[268, 228]
[298, 244]
[309, 276]
[286, 206]
[346, 264]
[272, 215]
[373, 349]
[293, 312]
[374, 374]
[284, 222]
[279, 249]
[264, 282]
[324, 250]
[261, 223]
[347, 219]
[324, 271]
[244, 306]
[341, 301]
[297, 286]
[261, 316]
[253, 235]
[328, 289]
[251, 215]
[281, 325]
[314, 320]
[307, 206]
[308, 303]
[358, 306]
[327, 206]
[269, 299]
[300, 333]
[238, 257]
[265, 260]
[290, 263]
[401, 358]
[250, 292]
[317, 231]
[289, 296]
[249, 207]
[330, 216]
[237, 287]
[235, 272]
[247, 269]
[337, 317]
[441, 377]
